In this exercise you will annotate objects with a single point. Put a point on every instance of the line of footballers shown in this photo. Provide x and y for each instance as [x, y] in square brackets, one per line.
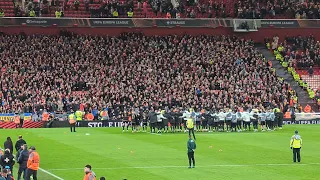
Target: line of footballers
[207, 121]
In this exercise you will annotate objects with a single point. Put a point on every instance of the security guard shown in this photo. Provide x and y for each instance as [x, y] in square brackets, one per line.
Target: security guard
[32, 164]
[2, 13]
[79, 115]
[115, 14]
[130, 13]
[190, 126]
[295, 145]
[89, 174]
[72, 121]
[191, 146]
[58, 14]
[32, 13]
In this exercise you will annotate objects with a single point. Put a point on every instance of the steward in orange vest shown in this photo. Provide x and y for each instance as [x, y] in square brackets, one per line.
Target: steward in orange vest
[90, 117]
[17, 120]
[307, 109]
[45, 116]
[33, 163]
[89, 173]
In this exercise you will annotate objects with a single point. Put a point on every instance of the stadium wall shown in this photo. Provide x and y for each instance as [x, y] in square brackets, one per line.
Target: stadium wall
[257, 36]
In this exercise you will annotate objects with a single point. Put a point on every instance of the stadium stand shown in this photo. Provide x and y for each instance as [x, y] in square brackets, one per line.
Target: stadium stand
[8, 7]
[59, 73]
[301, 56]
[247, 9]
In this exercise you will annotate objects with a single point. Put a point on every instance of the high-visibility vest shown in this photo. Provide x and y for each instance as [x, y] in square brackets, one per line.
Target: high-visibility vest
[318, 101]
[1, 14]
[190, 123]
[287, 115]
[90, 117]
[45, 116]
[130, 14]
[115, 14]
[295, 143]
[79, 115]
[32, 13]
[72, 119]
[307, 109]
[58, 14]
[33, 161]
[17, 119]
[87, 176]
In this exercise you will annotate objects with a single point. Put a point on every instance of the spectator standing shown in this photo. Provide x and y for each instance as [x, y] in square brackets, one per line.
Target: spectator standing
[20, 142]
[22, 159]
[8, 144]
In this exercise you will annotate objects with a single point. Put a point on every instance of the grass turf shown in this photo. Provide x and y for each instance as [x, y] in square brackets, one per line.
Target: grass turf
[144, 156]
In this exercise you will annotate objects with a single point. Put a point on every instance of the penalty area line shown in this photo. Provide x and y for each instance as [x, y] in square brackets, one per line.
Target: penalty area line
[49, 173]
[208, 166]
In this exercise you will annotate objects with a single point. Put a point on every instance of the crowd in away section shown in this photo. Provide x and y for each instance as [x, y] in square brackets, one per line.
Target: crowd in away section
[113, 75]
[299, 53]
[247, 9]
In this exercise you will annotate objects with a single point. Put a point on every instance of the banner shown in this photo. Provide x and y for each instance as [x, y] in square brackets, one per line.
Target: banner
[302, 122]
[108, 22]
[7, 117]
[103, 123]
[27, 116]
[290, 23]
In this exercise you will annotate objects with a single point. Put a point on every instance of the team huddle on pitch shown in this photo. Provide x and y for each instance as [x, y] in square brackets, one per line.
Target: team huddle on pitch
[207, 121]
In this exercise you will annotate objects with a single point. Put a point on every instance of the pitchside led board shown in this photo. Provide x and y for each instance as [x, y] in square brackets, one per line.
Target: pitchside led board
[8, 117]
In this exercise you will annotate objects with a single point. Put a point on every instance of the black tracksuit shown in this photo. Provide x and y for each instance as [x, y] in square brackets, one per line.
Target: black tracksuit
[22, 160]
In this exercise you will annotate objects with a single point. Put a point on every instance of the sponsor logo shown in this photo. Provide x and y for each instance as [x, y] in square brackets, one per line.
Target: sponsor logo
[95, 124]
[104, 124]
[29, 21]
[278, 22]
[303, 122]
[110, 22]
[176, 22]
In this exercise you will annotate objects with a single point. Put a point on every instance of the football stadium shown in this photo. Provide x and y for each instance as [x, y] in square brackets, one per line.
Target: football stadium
[159, 89]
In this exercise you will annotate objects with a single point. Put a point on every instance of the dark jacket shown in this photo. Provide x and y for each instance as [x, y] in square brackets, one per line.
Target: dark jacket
[19, 143]
[153, 117]
[8, 145]
[7, 160]
[23, 158]
[191, 145]
[9, 177]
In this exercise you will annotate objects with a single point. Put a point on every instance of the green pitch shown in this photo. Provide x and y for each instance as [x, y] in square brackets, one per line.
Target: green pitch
[144, 156]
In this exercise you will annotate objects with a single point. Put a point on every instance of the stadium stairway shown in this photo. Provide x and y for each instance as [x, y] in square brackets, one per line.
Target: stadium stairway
[27, 124]
[282, 72]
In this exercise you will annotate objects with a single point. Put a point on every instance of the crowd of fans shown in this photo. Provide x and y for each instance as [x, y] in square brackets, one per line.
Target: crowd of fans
[133, 70]
[272, 8]
[247, 9]
[37, 8]
[114, 8]
[301, 51]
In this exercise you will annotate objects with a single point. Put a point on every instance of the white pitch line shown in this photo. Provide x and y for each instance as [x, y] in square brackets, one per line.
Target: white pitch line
[215, 165]
[47, 172]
